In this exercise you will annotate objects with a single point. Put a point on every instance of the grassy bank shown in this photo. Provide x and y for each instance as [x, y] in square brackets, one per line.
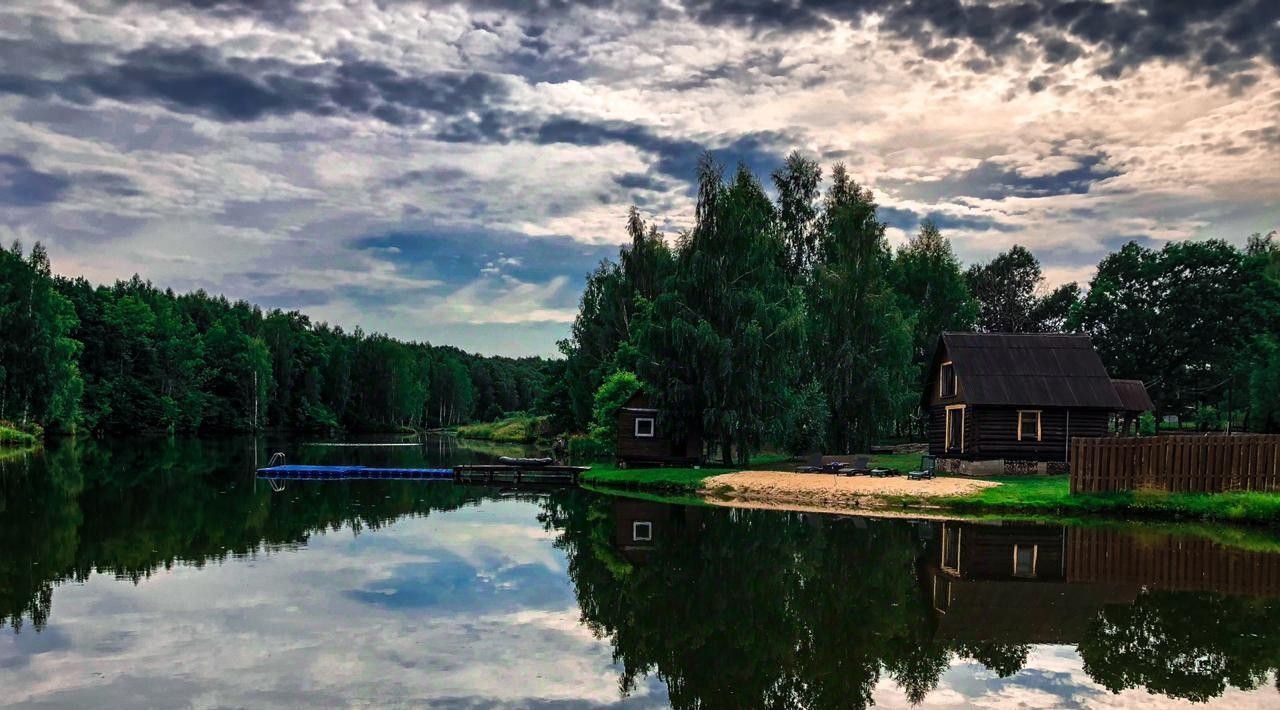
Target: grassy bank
[673, 479]
[1017, 496]
[1052, 495]
[516, 429]
[13, 438]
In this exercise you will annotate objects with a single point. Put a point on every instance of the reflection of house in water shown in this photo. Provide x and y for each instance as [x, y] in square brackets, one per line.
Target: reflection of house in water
[639, 526]
[992, 582]
[1025, 583]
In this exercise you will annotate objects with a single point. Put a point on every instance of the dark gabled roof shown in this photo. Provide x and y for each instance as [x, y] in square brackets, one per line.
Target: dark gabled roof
[1051, 370]
[1133, 396]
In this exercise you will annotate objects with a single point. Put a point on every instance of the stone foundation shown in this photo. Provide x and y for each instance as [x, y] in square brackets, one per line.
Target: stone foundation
[1001, 467]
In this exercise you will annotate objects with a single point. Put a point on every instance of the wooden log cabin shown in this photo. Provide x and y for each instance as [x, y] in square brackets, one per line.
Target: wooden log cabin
[1017, 399]
[644, 438]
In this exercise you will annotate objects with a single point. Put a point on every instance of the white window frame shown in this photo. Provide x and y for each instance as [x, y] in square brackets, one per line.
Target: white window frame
[1035, 561]
[955, 381]
[635, 531]
[947, 534]
[946, 425]
[652, 427]
[1024, 436]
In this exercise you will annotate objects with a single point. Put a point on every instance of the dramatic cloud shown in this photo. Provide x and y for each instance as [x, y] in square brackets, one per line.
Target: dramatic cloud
[451, 172]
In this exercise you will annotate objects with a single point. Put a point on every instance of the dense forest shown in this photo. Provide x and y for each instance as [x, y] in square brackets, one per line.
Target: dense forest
[132, 358]
[782, 319]
[789, 319]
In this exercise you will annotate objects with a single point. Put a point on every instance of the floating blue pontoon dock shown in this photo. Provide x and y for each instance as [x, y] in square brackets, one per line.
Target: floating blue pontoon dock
[304, 471]
[471, 473]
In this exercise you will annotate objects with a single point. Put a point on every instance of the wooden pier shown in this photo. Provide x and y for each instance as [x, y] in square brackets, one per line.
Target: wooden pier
[506, 473]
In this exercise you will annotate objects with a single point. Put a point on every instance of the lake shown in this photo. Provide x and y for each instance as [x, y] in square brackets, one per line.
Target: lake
[161, 573]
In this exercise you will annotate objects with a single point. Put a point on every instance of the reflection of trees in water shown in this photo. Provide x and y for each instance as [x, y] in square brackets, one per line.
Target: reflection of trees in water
[128, 510]
[751, 609]
[766, 609]
[1184, 644]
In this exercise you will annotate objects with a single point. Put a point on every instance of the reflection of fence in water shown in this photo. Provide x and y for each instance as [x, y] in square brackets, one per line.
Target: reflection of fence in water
[1169, 562]
[1208, 464]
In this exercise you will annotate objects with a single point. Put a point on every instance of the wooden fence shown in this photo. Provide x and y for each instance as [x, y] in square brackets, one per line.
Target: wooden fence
[1171, 562]
[1203, 464]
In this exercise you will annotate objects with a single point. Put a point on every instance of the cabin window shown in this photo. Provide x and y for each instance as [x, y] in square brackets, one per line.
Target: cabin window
[1025, 558]
[947, 380]
[941, 595]
[644, 427]
[642, 531]
[954, 431]
[1029, 425]
[951, 549]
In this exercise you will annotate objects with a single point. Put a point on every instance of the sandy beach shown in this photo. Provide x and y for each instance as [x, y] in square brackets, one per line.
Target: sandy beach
[824, 492]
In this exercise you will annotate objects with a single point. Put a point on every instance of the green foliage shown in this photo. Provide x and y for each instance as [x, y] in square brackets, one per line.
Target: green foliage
[932, 289]
[39, 377]
[802, 428]
[1147, 424]
[859, 342]
[10, 436]
[718, 347]
[1182, 319]
[1208, 418]
[612, 394]
[1008, 293]
[518, 428]
[1264, 386]
[587, 449]
[131, 358]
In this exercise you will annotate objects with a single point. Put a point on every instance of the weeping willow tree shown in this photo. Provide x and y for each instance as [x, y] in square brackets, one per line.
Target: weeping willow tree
[720, 340]
[859, 340]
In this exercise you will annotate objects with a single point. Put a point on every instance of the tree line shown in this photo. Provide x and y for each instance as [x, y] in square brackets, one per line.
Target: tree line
[132, 358]
[790, 319]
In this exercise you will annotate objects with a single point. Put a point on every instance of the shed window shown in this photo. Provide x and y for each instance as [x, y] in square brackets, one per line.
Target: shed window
[642, 531]
[644, 427]
[947, 380]
[1029, 425]
[1025, 558]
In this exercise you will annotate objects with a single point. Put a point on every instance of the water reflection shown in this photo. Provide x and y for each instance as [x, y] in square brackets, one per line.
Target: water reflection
[758, 608]
[161, 570]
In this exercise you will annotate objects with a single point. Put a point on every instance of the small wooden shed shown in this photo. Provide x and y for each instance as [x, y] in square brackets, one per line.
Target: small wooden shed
[1015, 396]
[643, 438]
[1134, 400]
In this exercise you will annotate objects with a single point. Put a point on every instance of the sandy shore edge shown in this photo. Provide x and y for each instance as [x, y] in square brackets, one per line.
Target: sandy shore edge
[820, 493]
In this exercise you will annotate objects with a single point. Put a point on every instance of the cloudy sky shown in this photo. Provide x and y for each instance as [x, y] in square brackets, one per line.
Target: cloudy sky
[450, 171]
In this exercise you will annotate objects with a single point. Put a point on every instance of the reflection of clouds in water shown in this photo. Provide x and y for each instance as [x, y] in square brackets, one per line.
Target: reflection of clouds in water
[1054, 677]
[286, 628]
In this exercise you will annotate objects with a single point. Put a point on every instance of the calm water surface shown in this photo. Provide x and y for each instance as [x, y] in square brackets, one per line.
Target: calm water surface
[161, 574]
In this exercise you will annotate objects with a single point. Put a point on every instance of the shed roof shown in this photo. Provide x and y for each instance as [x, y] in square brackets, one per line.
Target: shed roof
[1035, 369]
[1133, 396]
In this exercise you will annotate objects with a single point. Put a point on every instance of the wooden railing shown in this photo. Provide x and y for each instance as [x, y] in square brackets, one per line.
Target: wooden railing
[1203, 464]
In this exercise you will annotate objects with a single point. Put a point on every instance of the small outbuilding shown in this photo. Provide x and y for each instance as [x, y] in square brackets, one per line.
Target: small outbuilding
[1016, 398]
[1134, 400]
[643, 437]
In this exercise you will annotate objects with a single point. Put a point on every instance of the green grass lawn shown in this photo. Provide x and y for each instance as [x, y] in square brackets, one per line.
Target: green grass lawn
[690, 479]
[1020, 495]
[1052, 494]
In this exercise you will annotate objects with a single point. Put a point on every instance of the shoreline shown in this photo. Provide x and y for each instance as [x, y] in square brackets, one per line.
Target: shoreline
[1039, 496]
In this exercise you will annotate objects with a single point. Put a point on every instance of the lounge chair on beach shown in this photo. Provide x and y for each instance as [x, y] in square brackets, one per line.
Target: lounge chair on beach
[860, 465]
[926, 469]
[812, 465]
